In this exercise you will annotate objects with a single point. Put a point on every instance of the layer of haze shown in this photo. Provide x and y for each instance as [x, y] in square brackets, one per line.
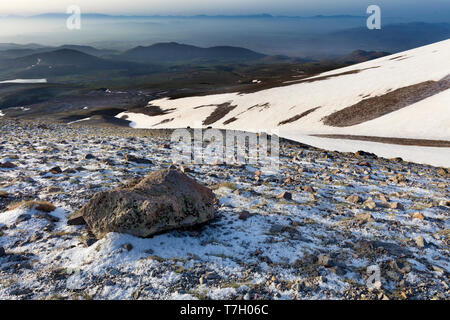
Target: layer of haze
[420, 10]
[271, 35]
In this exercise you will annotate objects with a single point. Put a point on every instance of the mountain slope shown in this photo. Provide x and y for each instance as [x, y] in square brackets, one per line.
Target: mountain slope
[403, 96]
[176, 53]
[391, 37]
[359, 56]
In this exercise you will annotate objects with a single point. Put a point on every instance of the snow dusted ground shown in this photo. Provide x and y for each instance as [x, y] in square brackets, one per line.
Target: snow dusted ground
[25, 81]
[327, 93]
[316, 245]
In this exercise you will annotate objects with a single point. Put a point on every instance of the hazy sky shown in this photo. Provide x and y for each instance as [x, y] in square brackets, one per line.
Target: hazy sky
[400, 8]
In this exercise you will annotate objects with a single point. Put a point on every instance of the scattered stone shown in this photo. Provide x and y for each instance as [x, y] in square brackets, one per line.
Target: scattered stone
[391, 248]
[244, 215]
[442, 172]
[285, 195]
[186, 169]
[127, 246]
[69, 171]
[444, 203]
[369, 204]
[383, 198]
[364, 164]
[325, 261]
[438, 269]
[89, 241]
[7, 165]
[418, 215]
[363, 217]
[162, 201]
[399, 178]
[363, 154]
[396, 205]
[53, 189]
[2, 252]
[420, 241]
[308, 189]
[55, 170]
[401, 267]
[287, 181]
[353, 199]
[89, 156]
[442, 185]
[131, 158]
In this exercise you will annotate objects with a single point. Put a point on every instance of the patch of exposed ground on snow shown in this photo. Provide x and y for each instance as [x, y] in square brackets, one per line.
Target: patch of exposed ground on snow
[315, 245]
[375, 107]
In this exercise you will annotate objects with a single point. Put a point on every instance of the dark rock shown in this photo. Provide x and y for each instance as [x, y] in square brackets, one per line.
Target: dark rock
[308, 189]
[363, 154]
[23, 217]
[364, 164]
[55, 170]
[131, 158]
[76, 220]
[285, 195]
[46, 216]
[127, 246]
[89, 241]
[7, 165]
[392, 248]
[244, 215]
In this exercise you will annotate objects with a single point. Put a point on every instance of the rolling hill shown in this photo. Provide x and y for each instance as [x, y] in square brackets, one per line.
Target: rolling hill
[172, 53]
[64, 62]
[401, 100]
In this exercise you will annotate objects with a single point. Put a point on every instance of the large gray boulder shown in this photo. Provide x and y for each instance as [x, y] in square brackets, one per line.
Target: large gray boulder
[162, 201]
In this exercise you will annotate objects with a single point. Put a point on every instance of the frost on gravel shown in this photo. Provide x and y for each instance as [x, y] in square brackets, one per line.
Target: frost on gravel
[317, 245]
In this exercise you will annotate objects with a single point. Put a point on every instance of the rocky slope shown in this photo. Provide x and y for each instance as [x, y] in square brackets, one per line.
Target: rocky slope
[307, 232]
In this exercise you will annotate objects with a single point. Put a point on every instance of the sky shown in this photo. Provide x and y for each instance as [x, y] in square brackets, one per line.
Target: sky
[423, 10]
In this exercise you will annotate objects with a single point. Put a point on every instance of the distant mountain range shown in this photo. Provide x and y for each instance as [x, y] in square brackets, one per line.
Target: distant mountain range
[393, 38]
[43, 62]
[253, 16]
